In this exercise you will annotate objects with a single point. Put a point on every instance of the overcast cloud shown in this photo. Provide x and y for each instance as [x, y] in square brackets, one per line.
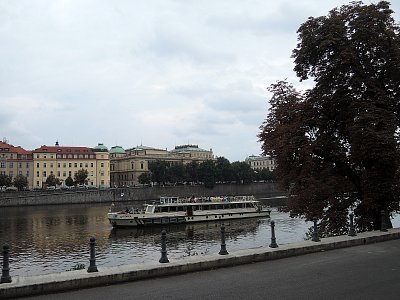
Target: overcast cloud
[158, 73]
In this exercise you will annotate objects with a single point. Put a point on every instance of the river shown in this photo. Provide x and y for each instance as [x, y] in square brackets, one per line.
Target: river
[55, 238]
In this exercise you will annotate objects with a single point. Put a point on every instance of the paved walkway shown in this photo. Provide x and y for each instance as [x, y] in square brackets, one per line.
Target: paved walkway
[25, 286]
[363, 272]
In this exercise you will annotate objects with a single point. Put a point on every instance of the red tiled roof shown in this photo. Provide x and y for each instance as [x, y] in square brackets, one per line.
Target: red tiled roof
[12, 149]
[63, 150]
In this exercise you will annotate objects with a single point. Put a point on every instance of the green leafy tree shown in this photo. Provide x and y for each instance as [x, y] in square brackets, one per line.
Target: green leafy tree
[80, 177]
[51, 180]
[158, 171]
[265, 175]
[207, 173]
[224, 171]
[336, 145]
[242, 172]
[192, 172]
[176, 173]
[144, 178]
[20, 182]
[5, 180]
[69, 181]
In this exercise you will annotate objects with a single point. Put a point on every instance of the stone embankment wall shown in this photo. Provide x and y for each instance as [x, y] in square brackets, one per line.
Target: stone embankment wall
[259, 190]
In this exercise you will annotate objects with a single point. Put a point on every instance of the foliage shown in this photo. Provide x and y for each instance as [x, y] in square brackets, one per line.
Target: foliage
[207, 173]
[191, 171]
[242, 173]
[265, 175]
[224, 171]
[20, 182]
[336, 145]
[80, 177]
[145, 178]
[176, 173]
[158, 171]
[69, 181]
[51, 180]
[5, 180]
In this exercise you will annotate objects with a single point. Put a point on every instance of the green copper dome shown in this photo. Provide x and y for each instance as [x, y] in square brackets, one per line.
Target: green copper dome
[117, 150]
[100, 148]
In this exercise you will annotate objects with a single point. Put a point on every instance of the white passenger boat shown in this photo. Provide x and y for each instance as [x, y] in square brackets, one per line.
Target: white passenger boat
[175, 210]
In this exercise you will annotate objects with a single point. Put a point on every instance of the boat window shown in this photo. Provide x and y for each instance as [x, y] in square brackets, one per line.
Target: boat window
[150, 209]
[180, 208]
[219, 206]
[164, 209]
[206, 207]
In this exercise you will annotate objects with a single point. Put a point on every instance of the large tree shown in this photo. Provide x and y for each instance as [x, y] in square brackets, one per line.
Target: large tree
[337, 144]
[20, 182]
[80, 177]
[5, 180]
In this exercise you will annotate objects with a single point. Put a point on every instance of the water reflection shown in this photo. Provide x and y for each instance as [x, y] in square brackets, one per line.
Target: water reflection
[54, 239]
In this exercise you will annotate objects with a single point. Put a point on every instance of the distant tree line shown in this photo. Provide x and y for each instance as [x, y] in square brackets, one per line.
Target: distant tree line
[208, 173]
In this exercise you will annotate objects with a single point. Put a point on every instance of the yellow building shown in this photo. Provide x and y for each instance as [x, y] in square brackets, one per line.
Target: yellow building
[15, 161]
[127, 165]
[63, 161]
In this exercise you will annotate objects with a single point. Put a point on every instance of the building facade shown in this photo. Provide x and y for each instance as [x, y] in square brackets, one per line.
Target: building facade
[64, 161]
[15, 161]
[261, 162]
[127, 165]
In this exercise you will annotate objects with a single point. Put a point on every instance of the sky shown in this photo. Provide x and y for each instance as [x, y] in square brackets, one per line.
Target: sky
[158, 73]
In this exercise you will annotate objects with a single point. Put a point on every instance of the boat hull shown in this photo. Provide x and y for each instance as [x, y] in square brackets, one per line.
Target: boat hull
[137, 220]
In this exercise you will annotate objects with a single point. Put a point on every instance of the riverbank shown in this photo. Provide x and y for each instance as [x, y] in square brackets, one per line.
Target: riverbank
[34, 285]
[31, 198]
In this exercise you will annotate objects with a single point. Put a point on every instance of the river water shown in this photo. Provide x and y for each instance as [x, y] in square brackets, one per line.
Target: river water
[53, 239]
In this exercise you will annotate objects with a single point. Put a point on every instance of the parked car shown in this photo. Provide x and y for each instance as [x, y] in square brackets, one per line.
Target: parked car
[11, 189]
[3, 188]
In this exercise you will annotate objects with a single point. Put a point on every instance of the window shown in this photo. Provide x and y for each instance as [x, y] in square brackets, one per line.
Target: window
[58, 173]
[20, 165]
[64, 173]
[70, 165]
[80, 165]
[27, 165]
[64, 165]
[86, 165]
[44, 165]
[11, 165]
[58, 165]
[75, 165]
[51, 165]
[44, 174]
[102, 165]
[37, 174]
[37, 165]
[91, 165]
[141, 165]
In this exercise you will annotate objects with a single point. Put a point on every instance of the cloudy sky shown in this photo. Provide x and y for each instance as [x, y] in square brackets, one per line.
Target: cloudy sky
[159, 73]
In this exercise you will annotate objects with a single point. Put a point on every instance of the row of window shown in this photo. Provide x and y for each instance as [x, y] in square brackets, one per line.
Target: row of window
[64, 173]
[11, 165]
[69, 165]
[11, 173]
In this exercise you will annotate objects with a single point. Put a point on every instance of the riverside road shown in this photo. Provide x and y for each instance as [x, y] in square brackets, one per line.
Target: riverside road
[363, 272]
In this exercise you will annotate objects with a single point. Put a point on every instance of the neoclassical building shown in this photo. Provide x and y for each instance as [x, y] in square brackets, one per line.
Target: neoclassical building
[261, 162]
[65, 161]
[15, 161]
[127, 165]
